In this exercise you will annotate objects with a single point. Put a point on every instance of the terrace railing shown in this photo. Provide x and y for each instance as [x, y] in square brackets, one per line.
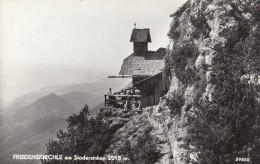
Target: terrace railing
[121, 100]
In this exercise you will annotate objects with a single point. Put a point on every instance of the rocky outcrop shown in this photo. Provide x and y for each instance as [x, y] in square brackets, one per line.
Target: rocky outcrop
[212, 26]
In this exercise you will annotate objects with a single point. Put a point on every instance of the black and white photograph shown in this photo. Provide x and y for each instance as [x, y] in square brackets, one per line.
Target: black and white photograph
[129, 81]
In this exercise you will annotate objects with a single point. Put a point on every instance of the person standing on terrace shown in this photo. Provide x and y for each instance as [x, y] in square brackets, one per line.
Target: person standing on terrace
[110, 92]
[111, 98]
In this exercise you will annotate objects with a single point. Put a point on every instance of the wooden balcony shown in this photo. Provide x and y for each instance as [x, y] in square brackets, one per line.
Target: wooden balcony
[120, 100]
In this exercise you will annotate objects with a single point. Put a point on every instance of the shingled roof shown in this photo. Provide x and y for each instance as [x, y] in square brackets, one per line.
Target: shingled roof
[140, 35]
[149, 64]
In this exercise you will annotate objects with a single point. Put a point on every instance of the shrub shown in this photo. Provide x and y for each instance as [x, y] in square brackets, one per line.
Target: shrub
[83, 136]
[179, 61]
[175, 104]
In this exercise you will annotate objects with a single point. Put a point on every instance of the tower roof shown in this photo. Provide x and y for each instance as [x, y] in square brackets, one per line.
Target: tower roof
[140, 35]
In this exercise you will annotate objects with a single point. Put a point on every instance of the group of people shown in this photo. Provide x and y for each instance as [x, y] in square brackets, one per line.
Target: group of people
[130, 91]
[125, 103]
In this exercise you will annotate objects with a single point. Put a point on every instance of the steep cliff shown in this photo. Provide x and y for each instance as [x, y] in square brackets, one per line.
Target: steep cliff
[214, 58]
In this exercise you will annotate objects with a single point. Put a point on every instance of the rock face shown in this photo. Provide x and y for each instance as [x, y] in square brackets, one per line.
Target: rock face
[201, 30]
[212, 26]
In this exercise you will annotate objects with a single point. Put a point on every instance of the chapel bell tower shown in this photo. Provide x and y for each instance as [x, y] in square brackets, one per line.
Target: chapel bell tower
[140, 39]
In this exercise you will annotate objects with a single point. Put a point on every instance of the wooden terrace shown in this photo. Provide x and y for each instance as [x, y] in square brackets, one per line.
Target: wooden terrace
[118, 100]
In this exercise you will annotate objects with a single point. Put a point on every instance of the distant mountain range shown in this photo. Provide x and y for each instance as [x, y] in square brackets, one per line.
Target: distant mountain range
[97, 90]
[33, 119]
[27, 130]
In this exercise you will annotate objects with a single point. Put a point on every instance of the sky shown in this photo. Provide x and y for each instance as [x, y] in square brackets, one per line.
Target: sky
[53, 42]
